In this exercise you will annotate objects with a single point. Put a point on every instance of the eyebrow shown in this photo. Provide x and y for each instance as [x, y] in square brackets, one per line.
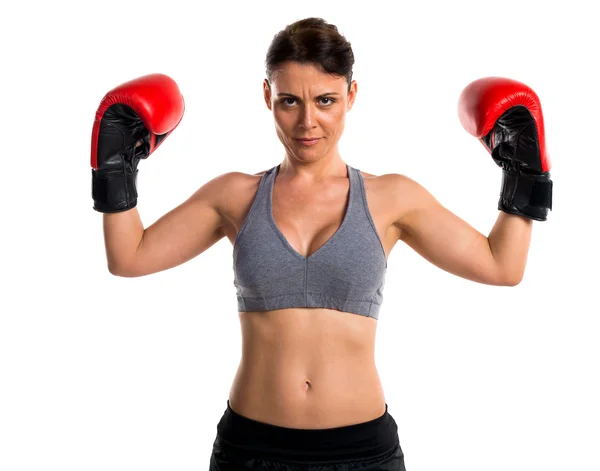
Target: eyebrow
[320, 96]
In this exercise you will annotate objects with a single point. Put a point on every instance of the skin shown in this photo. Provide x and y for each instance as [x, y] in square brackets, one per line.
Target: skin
[314, 368]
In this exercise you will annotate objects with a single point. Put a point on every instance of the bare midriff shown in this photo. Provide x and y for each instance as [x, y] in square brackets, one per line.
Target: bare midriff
[307, 369]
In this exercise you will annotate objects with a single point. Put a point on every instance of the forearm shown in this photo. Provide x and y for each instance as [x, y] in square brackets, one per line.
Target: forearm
[123, 233]
[509, 243]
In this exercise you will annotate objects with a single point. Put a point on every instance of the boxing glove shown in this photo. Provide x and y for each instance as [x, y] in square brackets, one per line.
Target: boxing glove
[506, 116]
[131, 122]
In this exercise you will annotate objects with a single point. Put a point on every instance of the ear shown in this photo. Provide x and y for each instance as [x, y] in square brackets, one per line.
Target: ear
[352, 94]
[267, 93]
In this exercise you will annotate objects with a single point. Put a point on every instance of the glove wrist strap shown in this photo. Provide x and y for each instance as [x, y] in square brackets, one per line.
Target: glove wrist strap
[528, 195]
[114, 192]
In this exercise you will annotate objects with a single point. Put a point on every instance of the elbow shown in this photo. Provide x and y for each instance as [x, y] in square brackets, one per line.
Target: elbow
[513, 282]
[120, 271]
[114, 270]
[125, 267]
[505, 277]
[512, 279]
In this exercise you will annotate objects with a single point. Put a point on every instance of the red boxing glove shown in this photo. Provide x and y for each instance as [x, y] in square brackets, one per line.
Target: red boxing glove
[132, 121]
[506, 116]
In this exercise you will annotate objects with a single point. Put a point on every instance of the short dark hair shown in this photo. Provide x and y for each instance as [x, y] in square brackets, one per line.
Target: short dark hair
[311, 40]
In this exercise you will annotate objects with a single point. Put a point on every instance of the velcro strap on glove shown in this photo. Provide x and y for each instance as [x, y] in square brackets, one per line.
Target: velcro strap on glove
[528, 195]
[114, 192]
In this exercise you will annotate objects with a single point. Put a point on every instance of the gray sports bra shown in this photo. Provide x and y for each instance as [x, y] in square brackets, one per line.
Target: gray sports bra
[347, 273]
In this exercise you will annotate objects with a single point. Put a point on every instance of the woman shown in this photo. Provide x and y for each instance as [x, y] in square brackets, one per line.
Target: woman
[311, 238]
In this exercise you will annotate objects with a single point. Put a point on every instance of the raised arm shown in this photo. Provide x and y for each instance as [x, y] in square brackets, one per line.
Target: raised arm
[180, 235]
[452, 244]
[506, 116]
[132, 121]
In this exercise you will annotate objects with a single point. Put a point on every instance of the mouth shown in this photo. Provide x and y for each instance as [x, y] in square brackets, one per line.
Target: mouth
[308, 142]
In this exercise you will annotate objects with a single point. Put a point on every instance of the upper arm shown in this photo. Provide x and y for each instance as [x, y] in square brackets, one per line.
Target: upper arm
[184, 232]
[440, 236]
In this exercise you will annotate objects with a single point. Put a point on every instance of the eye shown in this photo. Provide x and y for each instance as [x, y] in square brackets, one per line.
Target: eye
[286, 101]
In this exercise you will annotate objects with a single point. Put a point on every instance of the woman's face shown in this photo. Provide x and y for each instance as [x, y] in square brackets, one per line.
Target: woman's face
[308, 103]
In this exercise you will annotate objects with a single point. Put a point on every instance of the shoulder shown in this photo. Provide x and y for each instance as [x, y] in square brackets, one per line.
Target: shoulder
[393, 185]
[400, 194]
[230, 192]
[232, 181]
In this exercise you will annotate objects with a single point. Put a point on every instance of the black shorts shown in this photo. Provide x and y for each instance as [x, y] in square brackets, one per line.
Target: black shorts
[245, 444]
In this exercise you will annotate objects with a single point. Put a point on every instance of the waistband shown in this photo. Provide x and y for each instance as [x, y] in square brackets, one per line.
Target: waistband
[363, 440]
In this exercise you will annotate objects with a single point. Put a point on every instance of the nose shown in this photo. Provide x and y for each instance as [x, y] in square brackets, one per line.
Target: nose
[307, 117]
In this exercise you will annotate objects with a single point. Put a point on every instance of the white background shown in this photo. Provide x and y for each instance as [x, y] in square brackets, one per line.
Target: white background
[99, 372]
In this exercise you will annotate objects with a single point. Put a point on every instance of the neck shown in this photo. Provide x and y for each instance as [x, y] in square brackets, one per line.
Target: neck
[312, 171]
